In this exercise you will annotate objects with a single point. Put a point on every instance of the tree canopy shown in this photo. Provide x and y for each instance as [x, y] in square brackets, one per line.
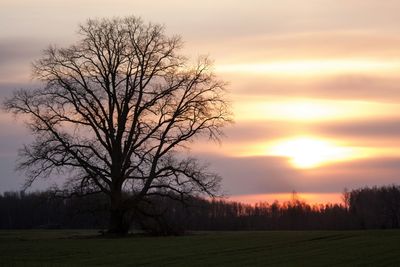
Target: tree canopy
[114, 112]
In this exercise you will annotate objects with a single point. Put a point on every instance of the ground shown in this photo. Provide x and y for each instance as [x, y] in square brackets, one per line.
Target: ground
[277, 248]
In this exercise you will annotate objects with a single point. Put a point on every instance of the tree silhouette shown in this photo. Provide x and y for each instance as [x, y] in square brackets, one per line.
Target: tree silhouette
[115, 110]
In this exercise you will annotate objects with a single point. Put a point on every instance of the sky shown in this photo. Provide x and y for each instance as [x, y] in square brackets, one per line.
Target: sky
[314, 86]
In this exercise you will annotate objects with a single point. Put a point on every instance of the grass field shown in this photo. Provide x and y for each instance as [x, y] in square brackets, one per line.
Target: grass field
[308, 248]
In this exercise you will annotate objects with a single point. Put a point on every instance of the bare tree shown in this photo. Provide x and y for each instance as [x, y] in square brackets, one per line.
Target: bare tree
[114, 113]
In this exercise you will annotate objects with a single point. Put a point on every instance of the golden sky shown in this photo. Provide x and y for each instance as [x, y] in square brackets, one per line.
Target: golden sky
[314, 85]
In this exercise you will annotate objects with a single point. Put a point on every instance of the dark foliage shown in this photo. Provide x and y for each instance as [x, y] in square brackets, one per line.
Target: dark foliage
[21, 210]
[377, 207]
[366, 208]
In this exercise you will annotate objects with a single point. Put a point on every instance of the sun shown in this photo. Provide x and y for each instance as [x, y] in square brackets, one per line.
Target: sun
[305, 152]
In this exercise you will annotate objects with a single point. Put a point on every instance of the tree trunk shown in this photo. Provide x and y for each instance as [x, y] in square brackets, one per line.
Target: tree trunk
[119, 223]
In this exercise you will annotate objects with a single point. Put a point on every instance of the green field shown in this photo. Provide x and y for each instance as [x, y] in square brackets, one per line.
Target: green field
[308, 248]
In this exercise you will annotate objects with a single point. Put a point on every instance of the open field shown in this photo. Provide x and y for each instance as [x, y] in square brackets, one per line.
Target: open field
[308, 248]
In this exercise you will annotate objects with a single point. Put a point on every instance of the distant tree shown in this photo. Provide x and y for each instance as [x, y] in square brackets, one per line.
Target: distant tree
[114, 113]
[376, 207]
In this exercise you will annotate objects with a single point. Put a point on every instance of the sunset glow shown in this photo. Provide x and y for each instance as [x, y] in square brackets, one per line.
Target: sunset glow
[311, 109]
[314, 86]
[305, 152]
[311, 67]
[311, 198]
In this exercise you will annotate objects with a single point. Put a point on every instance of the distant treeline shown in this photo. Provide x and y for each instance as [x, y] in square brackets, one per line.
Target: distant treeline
[365, 208]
